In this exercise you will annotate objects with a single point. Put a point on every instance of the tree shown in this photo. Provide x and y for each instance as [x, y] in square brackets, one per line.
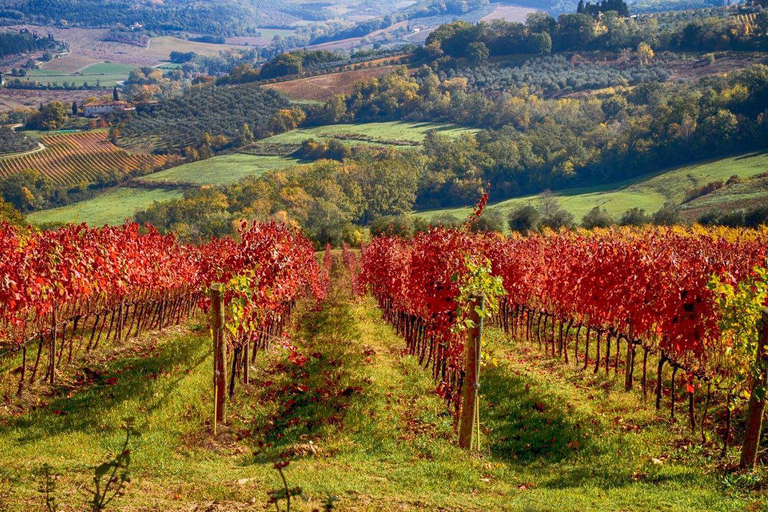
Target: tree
[597, 218]
[74, 108]
[50, 117]
[286, 119]
[394, 225]
[524, 219]
[477, 53]
[490, 220]
[634, 217]
[115, 96]
[644, 53]
[26, 190]
[114, 134]
[284, 64]
[668, 215]
[553, 215]
[11, 215]
[574, 31]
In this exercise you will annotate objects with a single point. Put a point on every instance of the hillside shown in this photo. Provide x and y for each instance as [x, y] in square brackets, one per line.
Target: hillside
[651, 192]
[114, 206]
[79, 157]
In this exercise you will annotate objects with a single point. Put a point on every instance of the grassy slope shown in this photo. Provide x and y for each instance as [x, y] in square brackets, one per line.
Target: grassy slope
[112, 207]
[115, 206]
[391, 130]
[649, 193]
[108, 74]
[380, 438]
[222, 170]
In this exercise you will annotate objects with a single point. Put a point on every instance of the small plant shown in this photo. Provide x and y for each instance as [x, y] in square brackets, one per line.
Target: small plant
[47, 488]
[111, 478]
[284, 493]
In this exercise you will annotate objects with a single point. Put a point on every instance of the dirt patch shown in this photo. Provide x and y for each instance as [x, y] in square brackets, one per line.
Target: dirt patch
[697, 67]
[509, 13]
[12, 99]
[323, 87]
[87, 43]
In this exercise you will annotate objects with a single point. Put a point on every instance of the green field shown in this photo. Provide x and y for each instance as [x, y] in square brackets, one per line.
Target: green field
[372, 133]
[648, 192]
[108, 74]
[221, 170]
[272, 32]
[112, 207]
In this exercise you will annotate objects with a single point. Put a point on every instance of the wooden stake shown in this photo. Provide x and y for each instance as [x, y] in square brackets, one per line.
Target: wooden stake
[54, 335]
[470, 420]
[219, 354]
[756, 409]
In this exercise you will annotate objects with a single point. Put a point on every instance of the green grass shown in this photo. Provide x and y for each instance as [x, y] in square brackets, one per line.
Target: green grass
[108, 74]
[222, 170]
[364, 424]
[112, 207]
[272, 32]
[391, 130]
[648, 192]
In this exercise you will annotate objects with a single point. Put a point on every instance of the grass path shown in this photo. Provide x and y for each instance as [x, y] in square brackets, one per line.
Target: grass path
[360, 421]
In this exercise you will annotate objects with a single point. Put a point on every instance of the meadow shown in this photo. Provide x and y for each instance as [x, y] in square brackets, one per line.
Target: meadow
[647, 192]
[107, 74]
[111, 207]
[221, 170]
[390, 133]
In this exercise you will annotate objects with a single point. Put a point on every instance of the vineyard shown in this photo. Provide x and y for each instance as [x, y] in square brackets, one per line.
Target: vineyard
[596, 300]
[70, 158]
[339, 392]
[69, 291]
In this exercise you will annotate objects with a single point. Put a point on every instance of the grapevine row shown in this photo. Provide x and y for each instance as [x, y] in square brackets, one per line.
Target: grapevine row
[66, 290]
[645, 289]
[76, 157]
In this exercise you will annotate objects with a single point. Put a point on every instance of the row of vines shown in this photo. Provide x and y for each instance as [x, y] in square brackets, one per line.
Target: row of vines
[73, 158]
[631, 302]
[66, 292]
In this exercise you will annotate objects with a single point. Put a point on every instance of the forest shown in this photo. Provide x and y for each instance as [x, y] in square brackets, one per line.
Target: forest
[14, 142]
[12, 43]
[534, 143]
[213, 17]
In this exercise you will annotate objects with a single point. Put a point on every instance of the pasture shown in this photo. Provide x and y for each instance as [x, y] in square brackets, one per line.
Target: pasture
[390, 133]
[647, 192]
[105, 74]
[111, 207]
[221, 170]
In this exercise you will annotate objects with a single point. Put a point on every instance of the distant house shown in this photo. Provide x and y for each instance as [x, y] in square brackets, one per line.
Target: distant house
[95, 108]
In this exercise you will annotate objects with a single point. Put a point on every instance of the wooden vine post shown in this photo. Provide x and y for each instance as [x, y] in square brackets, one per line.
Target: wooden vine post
[219, 355]
[756, 409]
[469, 429]
[629, 363]
[52, 346]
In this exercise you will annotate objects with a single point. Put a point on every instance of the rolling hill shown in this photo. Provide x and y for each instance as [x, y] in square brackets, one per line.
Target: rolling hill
[649, 192]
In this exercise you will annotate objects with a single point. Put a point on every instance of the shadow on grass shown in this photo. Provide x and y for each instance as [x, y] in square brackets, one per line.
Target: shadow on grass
[754, 154]
[133, 377]
[528, 425]
[537, 428]
[312, 397]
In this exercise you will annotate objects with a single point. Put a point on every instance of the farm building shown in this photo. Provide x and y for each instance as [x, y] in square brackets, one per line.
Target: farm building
[95, 108]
